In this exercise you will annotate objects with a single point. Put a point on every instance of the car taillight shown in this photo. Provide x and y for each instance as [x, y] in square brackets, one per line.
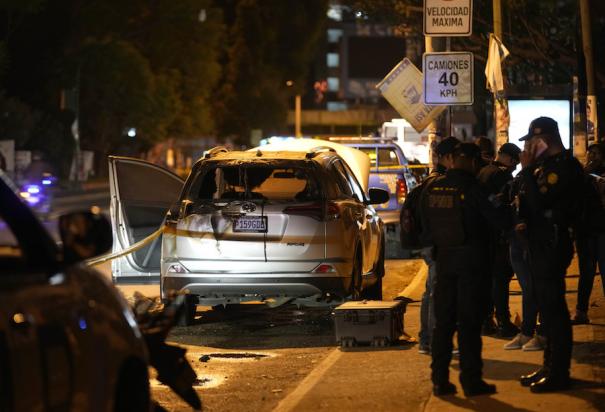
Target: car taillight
[314, 210]
[324, 268]
[402, 190]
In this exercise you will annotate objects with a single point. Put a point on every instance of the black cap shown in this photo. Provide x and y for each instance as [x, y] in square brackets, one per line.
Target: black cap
[510, 149]
[447, 146]
[542, 126]
[470, 150]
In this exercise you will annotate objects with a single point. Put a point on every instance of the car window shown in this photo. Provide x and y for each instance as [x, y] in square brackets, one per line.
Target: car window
[387, 157]
[342, 179]
[357, 190]
[277, 183]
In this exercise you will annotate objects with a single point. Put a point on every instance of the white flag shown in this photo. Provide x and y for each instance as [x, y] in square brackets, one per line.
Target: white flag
[493, 69]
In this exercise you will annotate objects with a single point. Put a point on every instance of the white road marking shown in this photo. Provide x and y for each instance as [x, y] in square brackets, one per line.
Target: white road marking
[293, 399]
[416, 287]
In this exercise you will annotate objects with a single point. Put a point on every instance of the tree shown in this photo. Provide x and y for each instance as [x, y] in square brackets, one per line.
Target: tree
[540, 34]
[271, 42]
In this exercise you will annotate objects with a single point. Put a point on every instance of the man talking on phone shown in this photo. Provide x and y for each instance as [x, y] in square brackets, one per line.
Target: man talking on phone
[550, 181]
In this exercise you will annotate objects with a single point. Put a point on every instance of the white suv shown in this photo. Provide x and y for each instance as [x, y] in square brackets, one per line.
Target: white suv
[251, 226]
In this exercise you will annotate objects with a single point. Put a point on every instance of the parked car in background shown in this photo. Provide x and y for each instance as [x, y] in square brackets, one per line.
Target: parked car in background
[389, 170]
[68, 340]
[262, 225]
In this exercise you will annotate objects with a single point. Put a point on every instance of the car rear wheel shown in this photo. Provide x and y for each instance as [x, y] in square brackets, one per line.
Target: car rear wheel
[356, 287]
[374, 292]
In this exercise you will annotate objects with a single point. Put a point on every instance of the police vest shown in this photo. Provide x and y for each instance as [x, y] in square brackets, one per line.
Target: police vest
[444, 213]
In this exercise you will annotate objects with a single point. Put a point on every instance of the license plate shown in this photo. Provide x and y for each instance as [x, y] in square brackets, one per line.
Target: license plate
[253, 224]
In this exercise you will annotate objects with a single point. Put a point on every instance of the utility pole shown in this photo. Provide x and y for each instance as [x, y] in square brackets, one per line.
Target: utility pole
[297, 116]
[432, 127]
[591, 99]
[500, 101]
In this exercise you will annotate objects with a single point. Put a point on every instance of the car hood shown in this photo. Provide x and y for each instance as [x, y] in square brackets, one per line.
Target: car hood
[357, 160]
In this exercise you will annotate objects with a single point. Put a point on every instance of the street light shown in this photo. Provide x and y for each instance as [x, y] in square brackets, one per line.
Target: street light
[297, 110]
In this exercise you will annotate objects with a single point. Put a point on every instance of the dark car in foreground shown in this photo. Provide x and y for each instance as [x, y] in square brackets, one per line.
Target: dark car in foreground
[68, 340]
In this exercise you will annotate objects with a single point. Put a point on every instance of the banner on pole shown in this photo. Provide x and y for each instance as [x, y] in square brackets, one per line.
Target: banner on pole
[402, 88]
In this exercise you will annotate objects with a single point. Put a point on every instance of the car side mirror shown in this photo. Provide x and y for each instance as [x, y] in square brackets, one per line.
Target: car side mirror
[84, 235]
[378, 196]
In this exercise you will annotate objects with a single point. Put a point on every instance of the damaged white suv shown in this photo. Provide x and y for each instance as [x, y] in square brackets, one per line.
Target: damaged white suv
[251, 226]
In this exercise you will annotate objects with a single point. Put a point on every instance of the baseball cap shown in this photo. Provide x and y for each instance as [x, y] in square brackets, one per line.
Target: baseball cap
[510, 149]
[542, 126]
[468, 150]
[447, 146]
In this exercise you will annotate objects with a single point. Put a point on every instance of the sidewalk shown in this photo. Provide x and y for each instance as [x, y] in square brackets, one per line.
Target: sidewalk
[398, 378]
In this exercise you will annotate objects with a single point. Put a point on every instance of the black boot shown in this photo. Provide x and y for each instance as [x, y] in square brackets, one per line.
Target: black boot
[552, 383]
[527, 380]
[479, 387]
[443, 389]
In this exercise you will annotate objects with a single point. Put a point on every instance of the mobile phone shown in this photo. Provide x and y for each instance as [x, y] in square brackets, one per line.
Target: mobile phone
[540, 147]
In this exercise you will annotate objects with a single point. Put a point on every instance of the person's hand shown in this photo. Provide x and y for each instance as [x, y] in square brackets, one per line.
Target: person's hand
[527, 156]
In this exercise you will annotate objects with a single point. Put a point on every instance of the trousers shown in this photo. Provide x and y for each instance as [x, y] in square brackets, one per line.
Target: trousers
[502, 273]
[549, 260]
[461, 299]
[520, 263]
[427, 306]
[591, 252]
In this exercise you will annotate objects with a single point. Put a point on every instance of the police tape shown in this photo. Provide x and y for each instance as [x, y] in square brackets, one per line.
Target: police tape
[137, 246]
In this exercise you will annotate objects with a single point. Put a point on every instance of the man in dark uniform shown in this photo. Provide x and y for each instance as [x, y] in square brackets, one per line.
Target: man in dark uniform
[496, 178]
[443, 160]
[456, 212]
[551, 179]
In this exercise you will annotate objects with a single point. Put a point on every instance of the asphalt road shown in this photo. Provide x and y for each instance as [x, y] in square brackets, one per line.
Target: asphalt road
[252, 357]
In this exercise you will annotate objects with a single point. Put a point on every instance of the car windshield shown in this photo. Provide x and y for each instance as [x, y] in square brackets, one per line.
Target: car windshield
[250, 182]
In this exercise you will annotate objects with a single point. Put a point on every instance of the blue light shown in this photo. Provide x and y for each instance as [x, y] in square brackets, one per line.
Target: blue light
[32, 200]
[82, 324]
[46, 182]
[33, 189]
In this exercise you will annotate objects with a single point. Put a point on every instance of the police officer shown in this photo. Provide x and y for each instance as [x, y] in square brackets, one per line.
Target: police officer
[496, 178]
[456, 212]
[443, 160]
[551, 178]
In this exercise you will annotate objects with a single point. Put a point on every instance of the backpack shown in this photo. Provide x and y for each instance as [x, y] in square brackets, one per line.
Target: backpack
[409, 217]
[444, 210]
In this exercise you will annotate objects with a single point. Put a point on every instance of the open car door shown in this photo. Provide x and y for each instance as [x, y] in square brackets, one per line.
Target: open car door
[141, 194]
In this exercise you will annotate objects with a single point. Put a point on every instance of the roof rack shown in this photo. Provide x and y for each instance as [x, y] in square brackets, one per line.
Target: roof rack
[317, 150]
[214, 151]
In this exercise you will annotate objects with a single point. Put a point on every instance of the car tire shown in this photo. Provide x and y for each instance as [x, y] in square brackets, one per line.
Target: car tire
[188, 312]
[132, 390]
[355, 290]
[374, 292]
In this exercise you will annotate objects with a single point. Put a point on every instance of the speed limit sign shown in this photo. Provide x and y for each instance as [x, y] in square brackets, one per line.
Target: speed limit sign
[448, 78]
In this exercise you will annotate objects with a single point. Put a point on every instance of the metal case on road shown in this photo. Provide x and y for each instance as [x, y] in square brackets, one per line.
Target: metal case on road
[378, 323]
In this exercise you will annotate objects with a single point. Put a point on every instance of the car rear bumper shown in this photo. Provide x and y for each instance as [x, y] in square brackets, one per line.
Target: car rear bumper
[246, 287]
